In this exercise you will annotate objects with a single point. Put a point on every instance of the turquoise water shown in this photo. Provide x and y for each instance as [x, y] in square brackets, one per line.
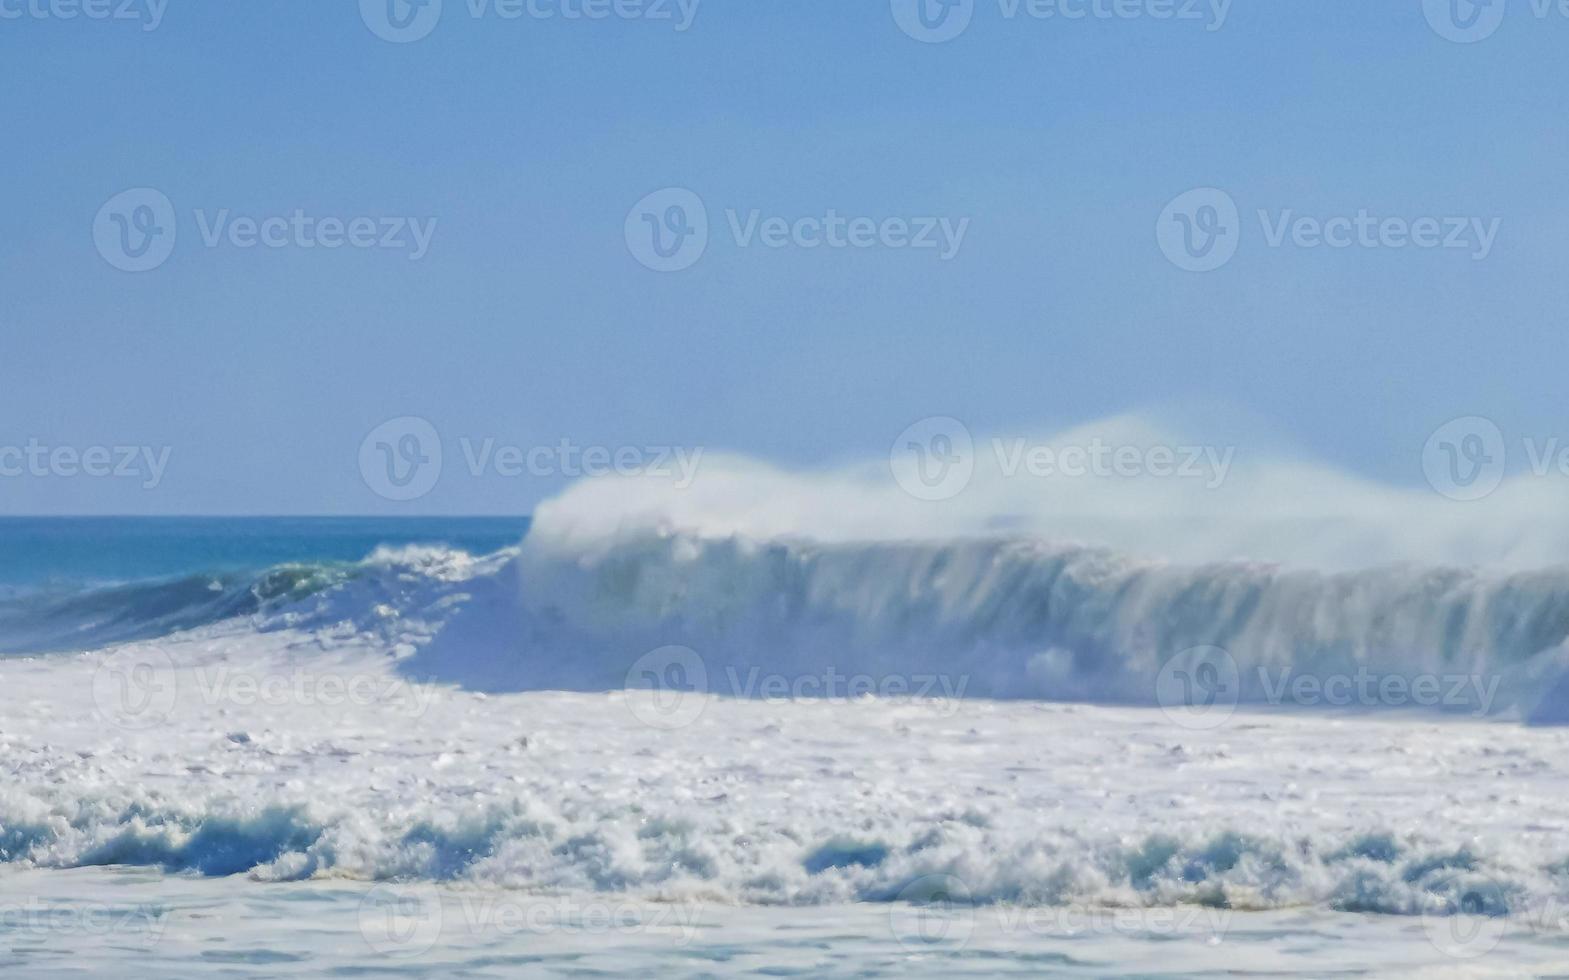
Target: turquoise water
[82, 583]
[74, 551]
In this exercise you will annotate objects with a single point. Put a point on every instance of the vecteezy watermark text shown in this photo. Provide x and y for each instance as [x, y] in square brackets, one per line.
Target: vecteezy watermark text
[140, 688]
[1201, 687]
[148, 13]
[1201, 230]
[406, 921]
[405, 21]
[670, 687]
[935, 459]
[137, 229]
[301, 230]
[566, 458]
[40, 461]
[936, 21]
[668, 231]
[36, 920]
[939, 911]
[402, 459]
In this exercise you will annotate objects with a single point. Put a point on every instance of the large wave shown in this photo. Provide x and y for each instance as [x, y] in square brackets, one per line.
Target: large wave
[997, 592]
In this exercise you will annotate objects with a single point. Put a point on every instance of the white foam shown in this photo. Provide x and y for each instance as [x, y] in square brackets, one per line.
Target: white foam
[1268, 507]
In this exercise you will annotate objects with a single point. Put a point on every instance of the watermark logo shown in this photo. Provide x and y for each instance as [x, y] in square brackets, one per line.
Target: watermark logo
[135, 230]
[934, 910]
[1200, 229]
[401, 21]
[1464, 21]
[1198, 688]
[401, 921]
[1469, 919]
[933, 21]
[934, 459]
[401, 458]
[1465, 458]
[667, 231]
[135, 689]
[667, 688]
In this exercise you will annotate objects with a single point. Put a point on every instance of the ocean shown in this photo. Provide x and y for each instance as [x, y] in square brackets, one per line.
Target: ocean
[493, 747]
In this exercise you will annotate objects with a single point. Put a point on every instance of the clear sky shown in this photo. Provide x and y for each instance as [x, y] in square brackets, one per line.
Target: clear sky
[529, 320]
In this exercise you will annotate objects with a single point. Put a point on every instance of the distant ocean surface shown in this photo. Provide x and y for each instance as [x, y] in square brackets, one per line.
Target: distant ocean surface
[63, 552]
[493, 747]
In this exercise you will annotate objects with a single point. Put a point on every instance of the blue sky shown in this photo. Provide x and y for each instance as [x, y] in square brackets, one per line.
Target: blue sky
[529, 320]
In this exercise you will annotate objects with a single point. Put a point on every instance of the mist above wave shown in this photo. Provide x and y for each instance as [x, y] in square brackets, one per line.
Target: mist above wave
[1213, 502]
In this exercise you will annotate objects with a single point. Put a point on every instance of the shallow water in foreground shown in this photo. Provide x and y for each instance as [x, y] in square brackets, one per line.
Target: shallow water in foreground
[102, 921]
[406, 770]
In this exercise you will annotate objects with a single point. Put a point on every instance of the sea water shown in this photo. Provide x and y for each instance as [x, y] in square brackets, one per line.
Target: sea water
[273, 747]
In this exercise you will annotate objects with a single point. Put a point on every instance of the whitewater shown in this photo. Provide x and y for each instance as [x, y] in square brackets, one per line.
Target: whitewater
[803, 722]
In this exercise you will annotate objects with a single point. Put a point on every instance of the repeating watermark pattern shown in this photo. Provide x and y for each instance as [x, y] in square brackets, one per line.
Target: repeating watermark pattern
[135, 689]
[1200, 230]
[1365, 688]
[938, 21]
[35, 459]
[405, 21]
[1466, 459]
[136, 231]
[1468, 916]
[1470, 21]
[933, 910]
[139, 689]
[400, 921]
[36, 920]
[299, 229]
[669, 688]
[148, 14]
[566, 458]
[401, 459]
[668, 231]
[1100, 459]
[1464, 21]
[1200, 688]
[937, 912]
[935, 459]
[407, 921]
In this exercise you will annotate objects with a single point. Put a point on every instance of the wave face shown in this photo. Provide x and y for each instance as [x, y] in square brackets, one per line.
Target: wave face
[1028, 619]
[52, 620]
[997, 618]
